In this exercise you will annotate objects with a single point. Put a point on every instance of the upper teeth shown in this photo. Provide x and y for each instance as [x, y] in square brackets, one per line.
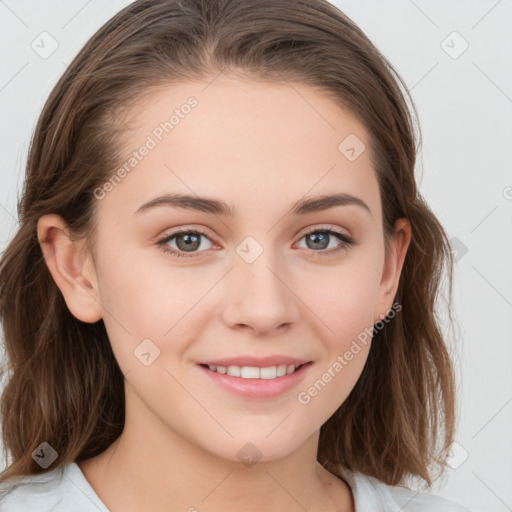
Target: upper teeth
[253, 372]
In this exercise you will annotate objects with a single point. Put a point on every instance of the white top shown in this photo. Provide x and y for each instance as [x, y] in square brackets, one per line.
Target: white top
[66, 489]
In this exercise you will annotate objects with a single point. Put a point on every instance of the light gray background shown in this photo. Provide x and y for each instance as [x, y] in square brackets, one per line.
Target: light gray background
[465, 107]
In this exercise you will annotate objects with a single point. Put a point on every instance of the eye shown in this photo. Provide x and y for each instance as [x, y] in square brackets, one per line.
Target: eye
[189, 240]
[185, 239]
[317, 238]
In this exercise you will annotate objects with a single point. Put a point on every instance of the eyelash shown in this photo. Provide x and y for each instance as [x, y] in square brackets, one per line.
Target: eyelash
[342, 237]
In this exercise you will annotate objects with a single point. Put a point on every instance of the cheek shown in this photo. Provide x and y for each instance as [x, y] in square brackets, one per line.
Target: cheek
[143, 298]
[344, 297]
[343, 316]
[341, 306]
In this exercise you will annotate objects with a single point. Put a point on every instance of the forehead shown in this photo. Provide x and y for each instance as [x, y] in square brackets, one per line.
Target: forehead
[250, 143]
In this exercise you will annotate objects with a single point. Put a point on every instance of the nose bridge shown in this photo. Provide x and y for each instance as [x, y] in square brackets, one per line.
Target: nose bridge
[258, 269]
[262, 299]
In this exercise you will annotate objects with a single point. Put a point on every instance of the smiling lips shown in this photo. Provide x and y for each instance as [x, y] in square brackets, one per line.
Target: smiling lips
[249, 367]
[254, 372]
[257, 378]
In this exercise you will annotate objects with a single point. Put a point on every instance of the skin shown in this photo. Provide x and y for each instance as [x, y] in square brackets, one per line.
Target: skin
[260, 147]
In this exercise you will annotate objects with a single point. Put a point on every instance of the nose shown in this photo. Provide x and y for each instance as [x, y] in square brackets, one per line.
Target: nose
[260, 296]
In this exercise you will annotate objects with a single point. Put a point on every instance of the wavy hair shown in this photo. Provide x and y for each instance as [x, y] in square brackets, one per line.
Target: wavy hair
[63, 384]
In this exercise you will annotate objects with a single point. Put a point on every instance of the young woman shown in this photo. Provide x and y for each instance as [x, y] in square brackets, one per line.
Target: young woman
[222, 292]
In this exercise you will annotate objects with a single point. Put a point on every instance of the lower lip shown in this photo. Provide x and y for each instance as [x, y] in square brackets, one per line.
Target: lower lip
[258, 388]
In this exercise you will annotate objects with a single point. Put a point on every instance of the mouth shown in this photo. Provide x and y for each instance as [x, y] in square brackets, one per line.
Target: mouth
[255, 372]
[256, 383]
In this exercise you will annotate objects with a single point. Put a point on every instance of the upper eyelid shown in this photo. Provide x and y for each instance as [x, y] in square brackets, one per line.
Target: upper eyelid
[306, 231]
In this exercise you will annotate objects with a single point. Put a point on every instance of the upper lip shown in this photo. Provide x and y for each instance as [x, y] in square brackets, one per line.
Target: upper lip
[260, 362]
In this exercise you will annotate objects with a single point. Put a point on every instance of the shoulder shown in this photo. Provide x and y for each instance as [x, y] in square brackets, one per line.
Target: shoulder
[33, 492]
[59, 490]
[372, 495]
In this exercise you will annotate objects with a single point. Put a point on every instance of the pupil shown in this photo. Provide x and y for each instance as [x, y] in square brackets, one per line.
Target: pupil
[190, 243]
[315, 237]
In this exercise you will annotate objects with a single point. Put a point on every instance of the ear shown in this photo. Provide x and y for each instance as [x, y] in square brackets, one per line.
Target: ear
[392, 269]
[72, 270]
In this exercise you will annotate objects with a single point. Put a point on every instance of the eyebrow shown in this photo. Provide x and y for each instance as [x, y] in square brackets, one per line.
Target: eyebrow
[218, 207]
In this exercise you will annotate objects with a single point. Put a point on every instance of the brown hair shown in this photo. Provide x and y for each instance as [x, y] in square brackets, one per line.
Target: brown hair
[64, 385]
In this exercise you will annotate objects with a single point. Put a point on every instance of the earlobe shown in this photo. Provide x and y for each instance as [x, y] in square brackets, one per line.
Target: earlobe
[393, 267]
[72, 271]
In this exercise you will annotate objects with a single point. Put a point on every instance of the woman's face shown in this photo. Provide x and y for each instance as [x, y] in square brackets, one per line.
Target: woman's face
[254, 284]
